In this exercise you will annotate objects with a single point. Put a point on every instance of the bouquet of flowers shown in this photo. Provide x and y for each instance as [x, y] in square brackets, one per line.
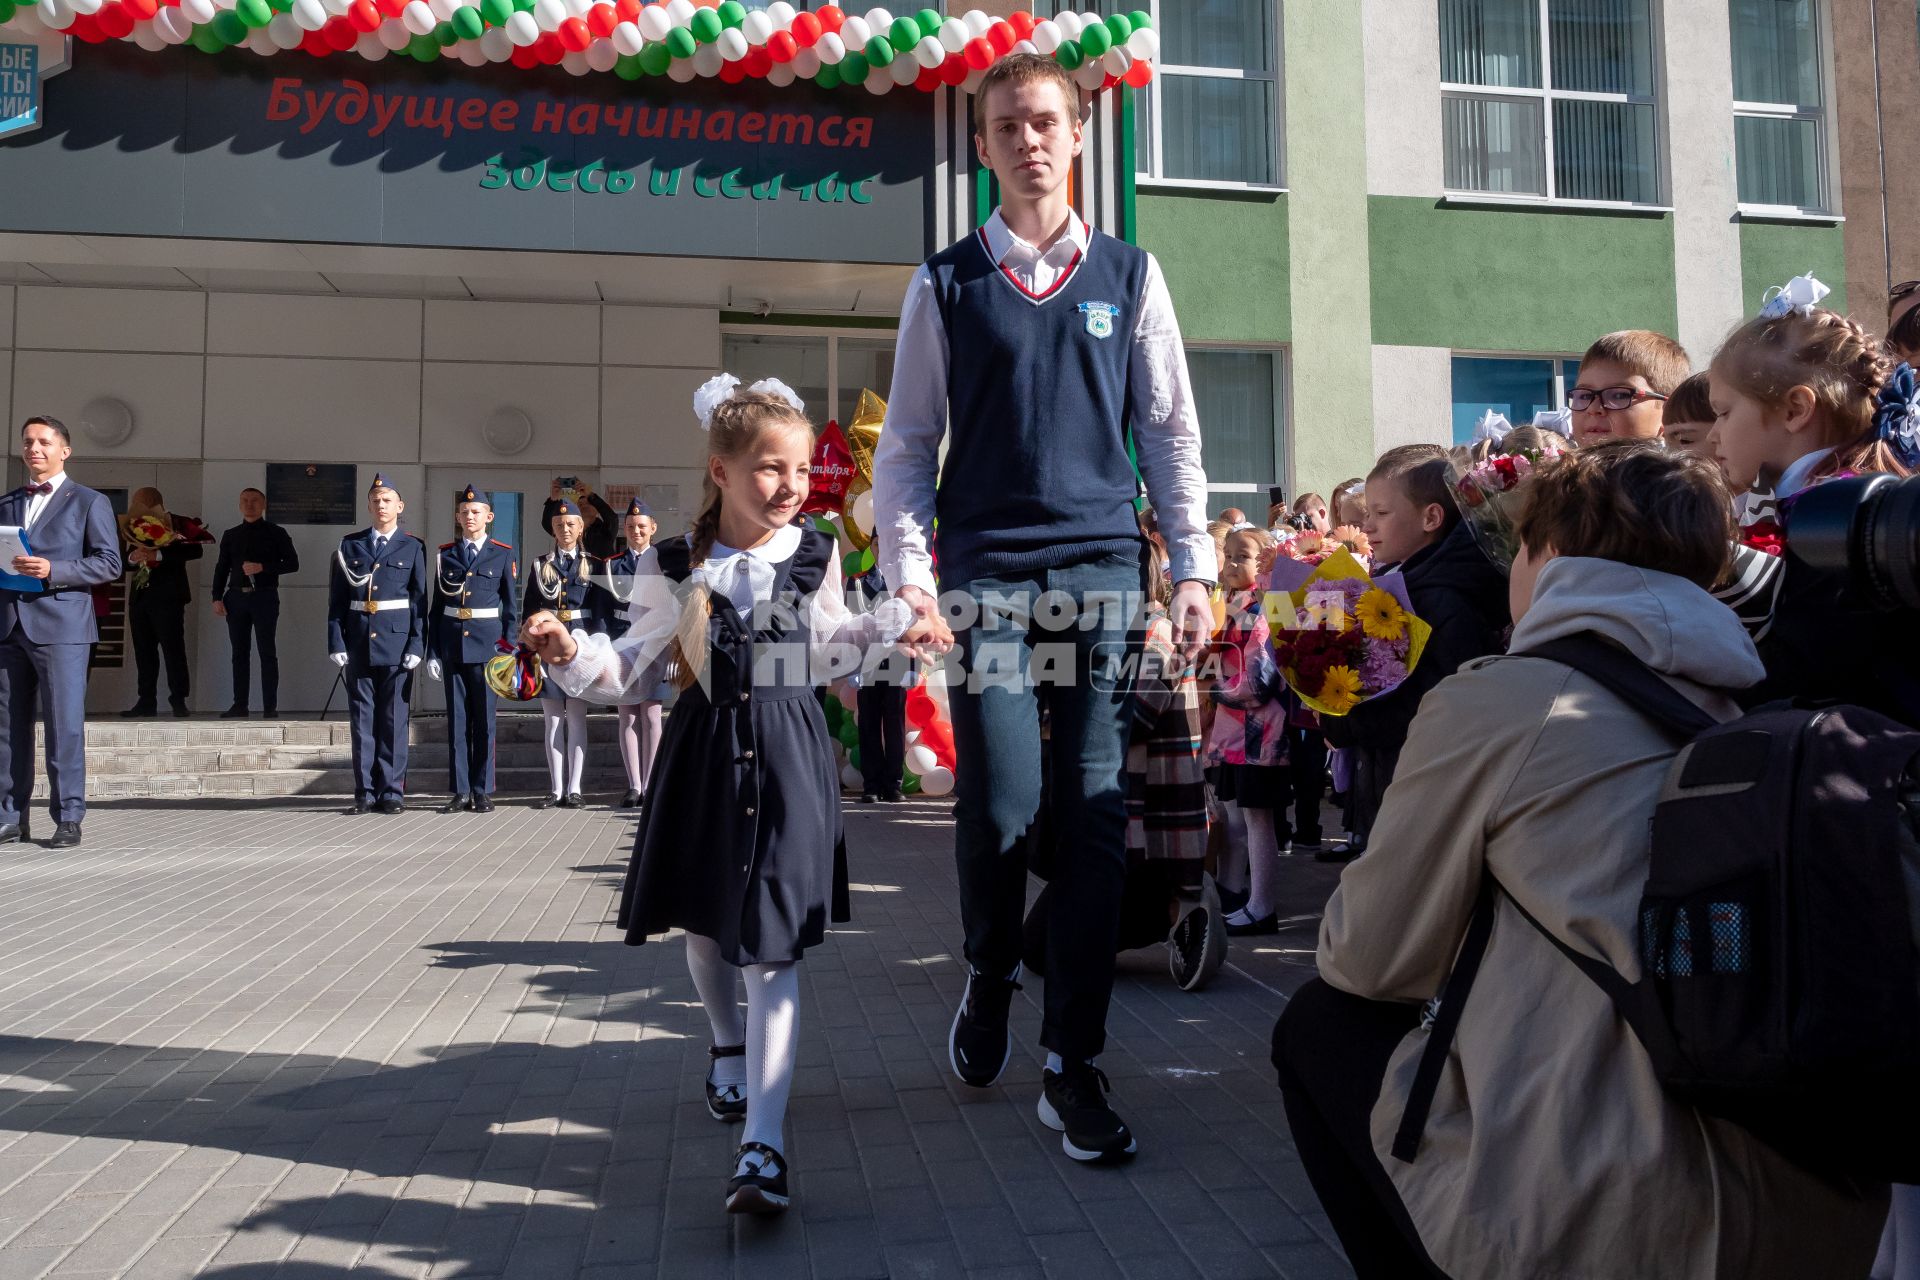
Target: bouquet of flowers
[1489, 493]
[1339, 636]
[155, 532]
[515, 672]
[1312, 548]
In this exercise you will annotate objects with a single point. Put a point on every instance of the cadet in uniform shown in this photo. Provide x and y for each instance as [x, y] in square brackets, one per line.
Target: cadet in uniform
[376, 632]
[638, 729]
[562, 583]
[475, 579]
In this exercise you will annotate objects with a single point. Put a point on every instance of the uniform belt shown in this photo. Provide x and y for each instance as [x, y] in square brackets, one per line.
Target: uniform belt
[567, 615]
[463, 613]
[377, 606]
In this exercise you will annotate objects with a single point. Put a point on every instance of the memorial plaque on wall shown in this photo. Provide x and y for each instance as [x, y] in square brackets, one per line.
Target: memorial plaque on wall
[312, 493]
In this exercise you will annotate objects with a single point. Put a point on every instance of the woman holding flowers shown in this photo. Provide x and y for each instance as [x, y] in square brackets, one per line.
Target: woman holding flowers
[159, 547]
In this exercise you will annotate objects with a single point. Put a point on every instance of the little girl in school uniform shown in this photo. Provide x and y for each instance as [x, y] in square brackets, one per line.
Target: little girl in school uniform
[740, 843]
[639, 721]
[561, 582]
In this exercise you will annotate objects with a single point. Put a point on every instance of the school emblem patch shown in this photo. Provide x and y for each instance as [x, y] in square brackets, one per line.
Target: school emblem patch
[1100, 316]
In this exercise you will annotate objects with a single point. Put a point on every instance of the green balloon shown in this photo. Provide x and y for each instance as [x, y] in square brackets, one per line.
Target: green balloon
[229, 27]
[255, 13]
[680, 42]
[829, 78]
[929, 21]
[879, 51]
[466, 22]
[911, 783]
[655, 59]
[205, 40]
[496, 12]
[853, 68]
[1141, 20]
[7, 9]
[1119, 26]
[706, 26]
[850, 564]
[444, 36]
[1068, 55]
[424, 49]
[280, 6]
[903, 34]
[524, 6]
[1095, 40]
[732, 13]
[866, 558]
[627, 67]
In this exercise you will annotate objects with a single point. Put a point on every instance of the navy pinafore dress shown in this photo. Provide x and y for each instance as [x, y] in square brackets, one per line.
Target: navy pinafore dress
[741, 840]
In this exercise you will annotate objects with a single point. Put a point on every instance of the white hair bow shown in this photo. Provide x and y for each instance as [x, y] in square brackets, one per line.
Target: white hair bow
[1801, 294]
[718, 389]
[1492, 426]
[1557, 421]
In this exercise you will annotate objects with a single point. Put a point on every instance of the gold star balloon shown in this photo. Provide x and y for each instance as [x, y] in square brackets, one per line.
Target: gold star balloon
[863, 436]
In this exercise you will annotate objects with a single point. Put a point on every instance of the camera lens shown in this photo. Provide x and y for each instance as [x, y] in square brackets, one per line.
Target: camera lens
[1866, 527]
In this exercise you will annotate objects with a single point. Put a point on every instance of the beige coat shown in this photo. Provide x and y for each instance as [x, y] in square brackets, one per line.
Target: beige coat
[1552, 1150]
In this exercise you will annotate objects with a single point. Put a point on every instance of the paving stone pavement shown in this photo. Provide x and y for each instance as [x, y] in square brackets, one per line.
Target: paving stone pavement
[276, 1040]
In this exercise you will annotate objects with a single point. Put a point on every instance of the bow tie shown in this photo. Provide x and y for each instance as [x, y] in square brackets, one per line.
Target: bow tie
[45, 486]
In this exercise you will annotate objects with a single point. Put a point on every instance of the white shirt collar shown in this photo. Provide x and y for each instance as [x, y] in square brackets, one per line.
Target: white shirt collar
[57, 479]
[1794, 478]
[1001, 241]
[779, 547]
[478, 544]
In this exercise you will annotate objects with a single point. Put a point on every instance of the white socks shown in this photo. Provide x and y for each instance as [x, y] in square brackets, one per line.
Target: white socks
[566, 740]
[1263, 861]
[639, 739]
[771, 1030]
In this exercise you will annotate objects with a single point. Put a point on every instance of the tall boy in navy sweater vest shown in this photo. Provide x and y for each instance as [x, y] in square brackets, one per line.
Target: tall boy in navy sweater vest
[1035, 345]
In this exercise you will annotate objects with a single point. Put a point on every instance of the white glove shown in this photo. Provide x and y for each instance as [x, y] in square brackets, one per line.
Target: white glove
[411, 661]
[337, 659]
[433, 667]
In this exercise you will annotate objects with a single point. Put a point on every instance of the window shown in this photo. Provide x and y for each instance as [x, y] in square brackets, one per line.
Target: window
[1211, 113]
[1779, 122]
[827, 370]
[1240, 399]
[1550, 99]
[1515, 388]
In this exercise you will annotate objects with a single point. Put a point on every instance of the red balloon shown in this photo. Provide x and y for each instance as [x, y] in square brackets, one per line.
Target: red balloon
[1139, 75]
[831, 16]
[1022, 23]
[550, 49]
[575, 35]
[781, 46]
[86, 27]
[628, 10]
[141, 9]
[733, 72]
[1000, 35]
[806, 29]
[114, 22]
[1108, 83]
[364, 15]
[316, 44]
[757, 62]
[340, 34]
[953, 71]
[978, 54]
[524, 57]
[388, 8]
[601, 19]
[928, 80]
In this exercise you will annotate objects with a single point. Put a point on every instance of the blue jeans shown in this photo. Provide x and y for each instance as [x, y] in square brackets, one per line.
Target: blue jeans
[1014, 655]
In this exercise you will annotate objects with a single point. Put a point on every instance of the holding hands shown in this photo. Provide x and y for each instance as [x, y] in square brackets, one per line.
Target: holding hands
[549, 638]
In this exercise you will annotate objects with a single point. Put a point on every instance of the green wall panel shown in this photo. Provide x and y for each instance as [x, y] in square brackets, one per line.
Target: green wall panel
[1773, 253]
[1225, 259]
[1515, 279]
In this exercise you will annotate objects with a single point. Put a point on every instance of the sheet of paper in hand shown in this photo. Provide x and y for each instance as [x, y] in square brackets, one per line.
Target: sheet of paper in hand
[13, 543]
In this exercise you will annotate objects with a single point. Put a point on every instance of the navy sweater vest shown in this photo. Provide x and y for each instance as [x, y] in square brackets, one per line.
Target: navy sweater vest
[1036, 474]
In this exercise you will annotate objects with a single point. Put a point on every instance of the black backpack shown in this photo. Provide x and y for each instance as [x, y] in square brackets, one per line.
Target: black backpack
[1780, 974]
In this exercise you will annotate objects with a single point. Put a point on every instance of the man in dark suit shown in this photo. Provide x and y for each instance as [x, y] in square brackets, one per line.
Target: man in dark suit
[254, 555]
[45, 634]
[157, 605]
[476, 584]
[376, 631]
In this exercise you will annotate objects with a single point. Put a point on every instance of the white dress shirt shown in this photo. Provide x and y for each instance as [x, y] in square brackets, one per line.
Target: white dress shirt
[38, 502]
[906, 464]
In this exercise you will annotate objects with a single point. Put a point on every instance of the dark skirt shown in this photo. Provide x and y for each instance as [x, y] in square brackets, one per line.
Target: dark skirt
[1252, 786]
[741, 838]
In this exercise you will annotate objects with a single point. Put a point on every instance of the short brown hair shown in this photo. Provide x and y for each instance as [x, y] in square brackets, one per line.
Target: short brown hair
[1654, 356]
[1422, 468]
[1689, 402]
[58, 427]
[1637, 502]
[1023, 68]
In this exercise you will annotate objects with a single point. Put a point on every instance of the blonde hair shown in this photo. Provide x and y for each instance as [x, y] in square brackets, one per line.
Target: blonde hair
[1300, 503]
[739, 423]
[1024, 68]
[1832, 356]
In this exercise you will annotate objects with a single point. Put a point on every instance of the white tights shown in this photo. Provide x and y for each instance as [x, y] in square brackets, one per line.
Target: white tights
[1263, 861]
[639, 739]
[771, 1030]
[566, 738]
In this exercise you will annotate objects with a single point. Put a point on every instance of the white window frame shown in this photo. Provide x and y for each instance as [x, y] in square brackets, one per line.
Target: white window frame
[1283, 425]
[832, 335]
[1546, 95]
[1827, 210]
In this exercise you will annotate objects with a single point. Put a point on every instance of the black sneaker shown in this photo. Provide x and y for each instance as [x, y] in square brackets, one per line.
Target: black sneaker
[977, 1046]
[726, 1102]
[1197, 947]
[1073, 1103]
[759, 1182]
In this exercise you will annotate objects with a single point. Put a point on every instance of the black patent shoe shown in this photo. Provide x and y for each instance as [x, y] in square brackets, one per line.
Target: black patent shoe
[759, 1182]
[631, 800]
[727, 1102]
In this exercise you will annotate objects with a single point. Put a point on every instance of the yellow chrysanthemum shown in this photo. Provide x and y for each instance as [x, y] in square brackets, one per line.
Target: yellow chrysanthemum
[1380, 615]
[1341, 691]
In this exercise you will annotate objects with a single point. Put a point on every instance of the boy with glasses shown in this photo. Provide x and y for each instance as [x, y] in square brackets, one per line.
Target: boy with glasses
[1624, 378]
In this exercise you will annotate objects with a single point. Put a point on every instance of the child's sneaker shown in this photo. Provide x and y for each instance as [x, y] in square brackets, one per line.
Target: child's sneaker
[1073, 1103]
[1197, 947]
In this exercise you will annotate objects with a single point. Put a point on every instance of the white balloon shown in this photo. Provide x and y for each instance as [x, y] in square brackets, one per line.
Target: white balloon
[854, 33]
[171, 25]
[1091, 75]
[707, 60]
[878, 85]
[549, 14]
[654, 23]
[281, 29]
[929, 53]
[903, 70]
[147, 38]
[369, 47]
[522, 28]
[85, 6]
[198, 12]
[781, 13]
[860, 510]
[953, 35]
[878, 20]
[578, 8]
[311, 15]
[850, 778]
[442, 9]
[921, 760]
[1025, 46]
[1144, 44]
[627, 39]
[469, 52]
[1047, 36]
[806, 64]
[575, 64]
[756, 27]
[257, 42]
[680, 12]
[977, 20]
[936, 782]
[601, 55]
[1116, 61]
[781, 74]
[1067, 22]
[680, 70]
[831, 49]
[732, 44]
[972, 83]
[496, 44]
[417, 18]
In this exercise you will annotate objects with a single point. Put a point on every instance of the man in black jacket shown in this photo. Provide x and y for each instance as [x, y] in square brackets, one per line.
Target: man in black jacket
[254, 555]
[157, 605]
